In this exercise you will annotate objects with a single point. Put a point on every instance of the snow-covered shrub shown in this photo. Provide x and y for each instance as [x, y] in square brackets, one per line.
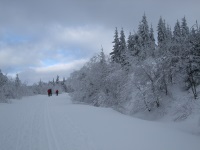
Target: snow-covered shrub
[13, 89]
[92, 82]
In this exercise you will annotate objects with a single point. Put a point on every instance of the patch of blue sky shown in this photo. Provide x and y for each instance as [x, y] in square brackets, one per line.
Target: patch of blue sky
[49, 62]
[12, 38]
[73, 53]
[11, 69]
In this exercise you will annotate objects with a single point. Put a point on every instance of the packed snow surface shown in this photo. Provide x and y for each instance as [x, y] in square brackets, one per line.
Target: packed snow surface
[55, 123]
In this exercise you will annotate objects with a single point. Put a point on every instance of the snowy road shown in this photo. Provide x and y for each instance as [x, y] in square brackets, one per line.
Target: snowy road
[54, 123]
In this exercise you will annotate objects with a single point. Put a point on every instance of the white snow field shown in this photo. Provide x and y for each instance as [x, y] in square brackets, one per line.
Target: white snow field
[55, 123]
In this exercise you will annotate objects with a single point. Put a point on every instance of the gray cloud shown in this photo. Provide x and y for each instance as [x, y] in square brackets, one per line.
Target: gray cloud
[44, 33]
[106, 12]
[33, 75]
[57, 45]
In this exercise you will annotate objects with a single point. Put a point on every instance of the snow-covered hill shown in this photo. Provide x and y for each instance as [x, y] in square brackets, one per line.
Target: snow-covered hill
[55, 123]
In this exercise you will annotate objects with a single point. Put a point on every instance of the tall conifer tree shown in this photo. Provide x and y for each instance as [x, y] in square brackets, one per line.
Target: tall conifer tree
[143, 32]
[115, 54]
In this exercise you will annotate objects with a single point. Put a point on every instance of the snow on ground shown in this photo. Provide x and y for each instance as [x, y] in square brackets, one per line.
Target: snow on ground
[55, 123]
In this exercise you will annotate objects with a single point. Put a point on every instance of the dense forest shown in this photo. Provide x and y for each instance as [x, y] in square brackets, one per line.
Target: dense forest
[143, 74]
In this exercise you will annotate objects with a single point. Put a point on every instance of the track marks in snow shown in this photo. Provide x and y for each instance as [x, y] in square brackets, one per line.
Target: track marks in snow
[41, 123]
[50, 131]
[67, 132]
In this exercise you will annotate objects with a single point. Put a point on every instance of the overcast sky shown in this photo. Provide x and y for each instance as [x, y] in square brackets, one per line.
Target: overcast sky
[40, 39]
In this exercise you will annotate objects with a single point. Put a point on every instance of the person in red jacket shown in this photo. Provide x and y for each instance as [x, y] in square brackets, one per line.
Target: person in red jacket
[49, 92]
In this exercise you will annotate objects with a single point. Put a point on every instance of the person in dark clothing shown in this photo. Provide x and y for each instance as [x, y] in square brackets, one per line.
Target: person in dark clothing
[49, 92]
[56, 92]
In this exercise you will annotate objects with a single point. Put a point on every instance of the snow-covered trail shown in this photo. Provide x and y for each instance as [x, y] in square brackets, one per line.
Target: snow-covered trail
[39, 123]
[54, 123]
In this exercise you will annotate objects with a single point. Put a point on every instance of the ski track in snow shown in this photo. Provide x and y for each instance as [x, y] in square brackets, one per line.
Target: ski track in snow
[36, 125]
[54, 123]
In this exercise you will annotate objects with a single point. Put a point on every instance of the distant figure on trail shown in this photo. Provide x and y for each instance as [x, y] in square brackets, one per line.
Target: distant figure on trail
[56, 92]
[49, 92]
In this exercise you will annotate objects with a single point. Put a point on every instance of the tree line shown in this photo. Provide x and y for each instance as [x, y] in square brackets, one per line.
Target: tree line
[15, 89]
[12, 88]
[141, 70]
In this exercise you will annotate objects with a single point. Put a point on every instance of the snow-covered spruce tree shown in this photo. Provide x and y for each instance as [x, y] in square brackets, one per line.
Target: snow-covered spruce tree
[161, 31]
[17, 81]
[115, 54]
[177, 46]
[176, 49]
[122, 49]
[130, 42]
[144, 35]
[119, 53]
[184, 47]
[57, 79]
[3, 82]
[171, 53]
[152, 44]
[18, 84]
[134, 46]
[169, 35]
[143, 74]
[164, 56]
[177, 32]
[193, 61]
[184, 29]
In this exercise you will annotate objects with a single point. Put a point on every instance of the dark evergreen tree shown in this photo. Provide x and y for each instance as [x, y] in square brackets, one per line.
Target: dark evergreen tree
[162, 38]
[3, 79]
[57, 79]
[134, 45]
[115, 54]
[193, 61]
[184, 29]
[164, 55]
[152, 45]
[143, 32]
[17, 81]
[122, 49]
[177, 33]
[161, 29]
[169, 35]
[130, 42]
[122, 41]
